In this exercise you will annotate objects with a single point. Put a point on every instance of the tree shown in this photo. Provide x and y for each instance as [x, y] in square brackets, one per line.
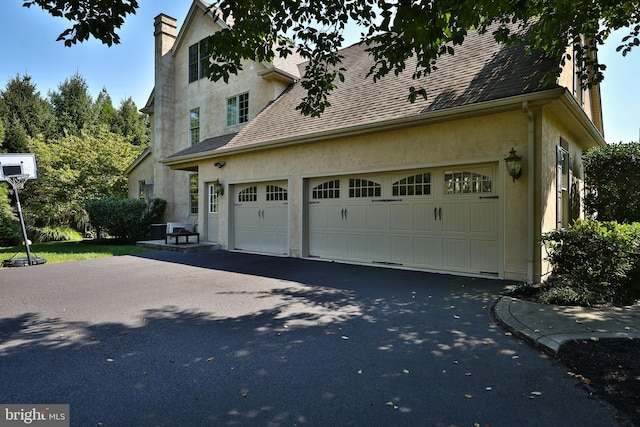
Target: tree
[74, 169]
[104, 112]
[134, 124]
[24, 112]
[394, 31]
[72, 106]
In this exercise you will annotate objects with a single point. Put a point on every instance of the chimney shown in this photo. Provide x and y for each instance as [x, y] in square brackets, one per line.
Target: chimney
[165, 33]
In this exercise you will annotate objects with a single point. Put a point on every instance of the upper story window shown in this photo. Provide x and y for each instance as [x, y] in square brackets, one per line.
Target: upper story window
[198, 58]
[194, 126]
[238, 109]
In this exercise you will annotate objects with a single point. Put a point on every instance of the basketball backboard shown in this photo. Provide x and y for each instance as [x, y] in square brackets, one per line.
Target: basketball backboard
[12, 165]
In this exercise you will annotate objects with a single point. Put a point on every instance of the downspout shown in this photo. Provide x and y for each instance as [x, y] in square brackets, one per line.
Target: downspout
[530, 191]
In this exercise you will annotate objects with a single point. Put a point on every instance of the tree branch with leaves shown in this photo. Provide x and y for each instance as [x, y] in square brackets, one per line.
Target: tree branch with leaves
[394, 31]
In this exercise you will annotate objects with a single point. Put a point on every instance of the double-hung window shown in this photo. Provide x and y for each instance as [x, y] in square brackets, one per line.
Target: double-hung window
[198, 59]
[238, 109]
[194, 126]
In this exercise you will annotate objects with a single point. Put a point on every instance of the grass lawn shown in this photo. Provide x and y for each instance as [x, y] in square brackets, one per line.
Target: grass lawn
[72, 251]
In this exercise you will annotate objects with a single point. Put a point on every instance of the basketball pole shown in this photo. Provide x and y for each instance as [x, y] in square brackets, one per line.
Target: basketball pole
[24, 229]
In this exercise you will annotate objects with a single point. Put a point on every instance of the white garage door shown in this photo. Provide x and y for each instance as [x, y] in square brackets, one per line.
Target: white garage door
[443, 219]
[260, 217]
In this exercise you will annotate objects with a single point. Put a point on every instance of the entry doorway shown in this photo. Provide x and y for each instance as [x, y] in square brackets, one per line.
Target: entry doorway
[213, 220]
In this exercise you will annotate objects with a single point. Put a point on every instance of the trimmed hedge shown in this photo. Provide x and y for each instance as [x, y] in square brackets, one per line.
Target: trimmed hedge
[593, 262]
[125, 219]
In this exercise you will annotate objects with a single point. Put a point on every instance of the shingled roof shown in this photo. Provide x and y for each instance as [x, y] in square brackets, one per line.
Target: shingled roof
[480, 70]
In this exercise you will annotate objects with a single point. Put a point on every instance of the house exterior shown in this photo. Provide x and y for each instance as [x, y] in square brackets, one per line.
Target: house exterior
[376, 179]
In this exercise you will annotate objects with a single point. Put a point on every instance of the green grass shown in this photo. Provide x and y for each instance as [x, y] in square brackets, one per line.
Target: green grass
[67, 251]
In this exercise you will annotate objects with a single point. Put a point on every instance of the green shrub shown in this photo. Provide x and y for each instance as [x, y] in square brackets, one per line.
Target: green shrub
[125, 219]
[612, 179]
[599, 261]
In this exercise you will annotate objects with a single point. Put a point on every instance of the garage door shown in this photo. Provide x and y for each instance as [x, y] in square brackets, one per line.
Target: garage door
[260, 217]
[443, 219]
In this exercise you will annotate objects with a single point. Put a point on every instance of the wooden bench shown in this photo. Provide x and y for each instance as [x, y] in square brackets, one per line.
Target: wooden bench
[181, 232]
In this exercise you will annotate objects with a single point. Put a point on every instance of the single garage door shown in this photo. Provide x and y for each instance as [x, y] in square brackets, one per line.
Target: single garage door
[260, 217]
[442, 219]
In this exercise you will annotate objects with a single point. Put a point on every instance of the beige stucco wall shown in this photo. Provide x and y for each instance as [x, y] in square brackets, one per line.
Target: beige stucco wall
[175, 97]
[552, 130]
[479, 140]
[142, 172]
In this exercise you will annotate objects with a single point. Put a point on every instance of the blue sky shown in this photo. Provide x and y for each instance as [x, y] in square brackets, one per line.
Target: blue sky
[126, 70]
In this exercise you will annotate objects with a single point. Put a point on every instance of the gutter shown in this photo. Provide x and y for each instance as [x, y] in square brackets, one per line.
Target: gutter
[530, 190]
[488, 107]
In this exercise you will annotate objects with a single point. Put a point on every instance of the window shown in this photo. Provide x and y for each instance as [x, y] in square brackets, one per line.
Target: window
[142, 190]
[249, 194]
[194, 126]
[462, 182]
[198, 60]
[363, 188]
[213, 199]
[415, 185]
[276, 193]
[193, 193]
[327, 190]
[238, 109]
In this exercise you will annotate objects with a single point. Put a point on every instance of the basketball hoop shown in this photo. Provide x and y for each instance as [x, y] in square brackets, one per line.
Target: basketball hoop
[17, 169]
[17, 181]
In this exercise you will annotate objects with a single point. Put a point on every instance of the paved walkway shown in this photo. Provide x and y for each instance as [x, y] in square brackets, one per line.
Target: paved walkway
[550, 326]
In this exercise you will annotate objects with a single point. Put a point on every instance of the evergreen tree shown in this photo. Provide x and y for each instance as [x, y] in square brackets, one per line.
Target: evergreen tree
[134, 124]
[72, 106]
[24, 113]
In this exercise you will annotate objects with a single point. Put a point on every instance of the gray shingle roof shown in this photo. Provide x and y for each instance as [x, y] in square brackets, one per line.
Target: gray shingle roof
[480, 70]
[209, 144]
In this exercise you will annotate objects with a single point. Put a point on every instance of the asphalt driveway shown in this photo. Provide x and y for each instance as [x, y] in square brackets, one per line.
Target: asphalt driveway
[219, 338]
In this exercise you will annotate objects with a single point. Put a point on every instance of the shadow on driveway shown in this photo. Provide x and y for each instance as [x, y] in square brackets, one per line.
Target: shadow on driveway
[235, 339]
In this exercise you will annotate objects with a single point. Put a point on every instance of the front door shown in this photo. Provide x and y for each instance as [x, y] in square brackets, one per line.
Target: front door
[212, 214]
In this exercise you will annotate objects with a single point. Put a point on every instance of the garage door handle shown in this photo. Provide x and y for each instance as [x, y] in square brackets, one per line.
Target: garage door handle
[440, 213]
[435, 214]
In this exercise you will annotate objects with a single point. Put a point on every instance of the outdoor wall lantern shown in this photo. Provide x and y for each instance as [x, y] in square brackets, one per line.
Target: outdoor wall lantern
[218, 188]
[514, 164]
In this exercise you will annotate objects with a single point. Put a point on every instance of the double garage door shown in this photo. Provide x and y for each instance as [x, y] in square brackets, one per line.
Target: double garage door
[442, 219]
[260, 217]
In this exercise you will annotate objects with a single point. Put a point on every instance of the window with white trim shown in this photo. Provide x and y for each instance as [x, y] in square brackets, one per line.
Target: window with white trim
[276, 193]
[326, 190]
[249, 194]
[464, 182]
[414, 185]
[194, 126]
[213, 199]
[364, 188]
[193, 193]
[238, 109]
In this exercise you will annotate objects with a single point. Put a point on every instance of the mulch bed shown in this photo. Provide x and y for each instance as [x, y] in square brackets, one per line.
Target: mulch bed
[610, 369]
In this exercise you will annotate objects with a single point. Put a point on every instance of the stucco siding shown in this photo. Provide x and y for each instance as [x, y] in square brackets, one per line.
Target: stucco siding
[479, 140]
